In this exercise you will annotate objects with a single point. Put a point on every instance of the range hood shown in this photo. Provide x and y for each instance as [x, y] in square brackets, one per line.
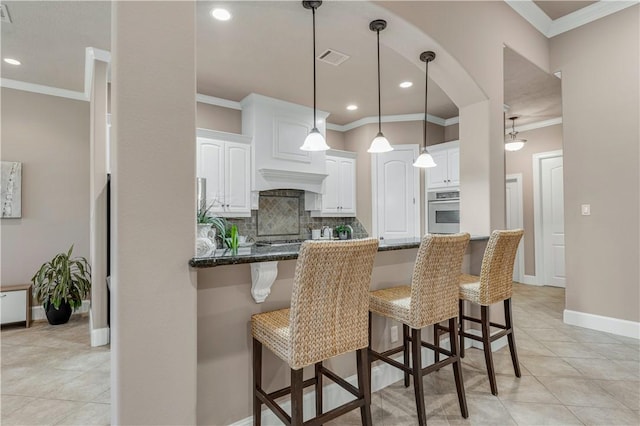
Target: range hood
[278, 129]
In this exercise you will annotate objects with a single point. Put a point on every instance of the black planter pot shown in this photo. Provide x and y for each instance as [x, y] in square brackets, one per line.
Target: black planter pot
[58, 316]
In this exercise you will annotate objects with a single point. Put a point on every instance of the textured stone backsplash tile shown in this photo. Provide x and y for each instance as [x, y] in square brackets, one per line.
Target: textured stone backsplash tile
[277, 218]
[278, 215]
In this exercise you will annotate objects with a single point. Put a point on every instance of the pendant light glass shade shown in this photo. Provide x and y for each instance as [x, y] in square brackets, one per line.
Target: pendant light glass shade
[379, 144]
[514, 143]
[314, 140]
[425, 160]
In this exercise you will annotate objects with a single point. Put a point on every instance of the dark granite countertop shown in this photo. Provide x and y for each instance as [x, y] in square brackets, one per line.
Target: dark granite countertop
[286, 251]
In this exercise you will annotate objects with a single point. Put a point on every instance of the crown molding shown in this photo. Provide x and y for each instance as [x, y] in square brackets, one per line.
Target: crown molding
[536, 125]
[91, 55]
[390, 119]
[212, 100]
[43, 90]
[551, 28]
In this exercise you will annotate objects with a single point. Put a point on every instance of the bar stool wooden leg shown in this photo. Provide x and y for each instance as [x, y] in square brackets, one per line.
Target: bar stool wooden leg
[486, 344]
[436, 342]
[296, 397]
[318, 372]
[364, 385]
[457, 367]
[461, 321]
[416, 360]
[510, 338]
[257, 381]
[369, 349]
[405, 343]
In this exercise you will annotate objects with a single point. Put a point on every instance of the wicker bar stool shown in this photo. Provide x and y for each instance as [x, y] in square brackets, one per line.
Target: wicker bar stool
[494, 285]
[431, 298]
[328, 317]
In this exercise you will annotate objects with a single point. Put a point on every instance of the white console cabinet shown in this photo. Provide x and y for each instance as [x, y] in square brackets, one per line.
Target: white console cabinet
[224, 159]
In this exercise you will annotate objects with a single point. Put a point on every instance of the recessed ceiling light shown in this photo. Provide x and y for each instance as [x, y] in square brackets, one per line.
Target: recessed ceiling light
[406, 84]
[352, 107]
[12, 61]
[319, 121]
[221, 14]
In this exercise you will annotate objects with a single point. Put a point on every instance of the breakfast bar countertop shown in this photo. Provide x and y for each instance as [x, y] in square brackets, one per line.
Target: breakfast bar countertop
[287, 251]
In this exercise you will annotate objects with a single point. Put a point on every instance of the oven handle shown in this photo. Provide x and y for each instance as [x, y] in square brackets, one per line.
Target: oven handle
[451, 200]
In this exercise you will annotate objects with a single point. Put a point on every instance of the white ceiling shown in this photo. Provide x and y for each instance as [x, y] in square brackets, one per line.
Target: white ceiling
[555, 9]
[265, 48]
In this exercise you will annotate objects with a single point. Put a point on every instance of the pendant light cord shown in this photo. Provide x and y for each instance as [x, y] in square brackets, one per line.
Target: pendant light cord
[426, 96]
[379, 98]
[313, 11]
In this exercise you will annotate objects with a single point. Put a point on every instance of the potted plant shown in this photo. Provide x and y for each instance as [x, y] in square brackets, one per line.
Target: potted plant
[61, 284]
[208, 222]
[343, 231]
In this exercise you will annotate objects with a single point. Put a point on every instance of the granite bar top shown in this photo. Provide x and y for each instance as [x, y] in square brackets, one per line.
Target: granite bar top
[287, 251]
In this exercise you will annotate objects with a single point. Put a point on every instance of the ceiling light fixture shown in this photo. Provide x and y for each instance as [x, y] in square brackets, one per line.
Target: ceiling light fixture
[425, 159]
[12, 61]
[406, 84]
[221, 14]
[314, 140]
[379, 143]
[514, 143]
[352, 107]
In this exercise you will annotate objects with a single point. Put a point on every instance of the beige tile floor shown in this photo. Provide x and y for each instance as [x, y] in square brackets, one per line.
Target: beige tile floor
[50, 375]
[570, 375]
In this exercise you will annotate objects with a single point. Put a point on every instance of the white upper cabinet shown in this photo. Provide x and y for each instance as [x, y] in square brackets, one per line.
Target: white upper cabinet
[338, 198]
[447, 171]
[224, 159]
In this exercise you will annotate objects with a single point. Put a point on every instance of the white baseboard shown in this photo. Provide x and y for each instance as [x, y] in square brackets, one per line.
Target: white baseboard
[382, 375]
[530, 279]
[100, 337]
[37, 312]
[600, 323]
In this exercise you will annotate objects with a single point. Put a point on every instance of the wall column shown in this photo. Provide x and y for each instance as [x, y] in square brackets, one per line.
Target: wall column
[154, 359]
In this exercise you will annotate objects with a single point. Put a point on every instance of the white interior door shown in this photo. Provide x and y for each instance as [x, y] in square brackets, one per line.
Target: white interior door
[548, 200]
[396, 193]
[552, 195]
[515, 220]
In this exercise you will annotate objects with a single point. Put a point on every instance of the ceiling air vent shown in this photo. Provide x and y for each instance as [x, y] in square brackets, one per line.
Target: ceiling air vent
[4, 14]
[333, 57]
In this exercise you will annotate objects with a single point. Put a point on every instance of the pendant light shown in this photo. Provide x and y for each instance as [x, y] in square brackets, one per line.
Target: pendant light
[425, 159]
[514, 143]
[379, 143]
[314, 140]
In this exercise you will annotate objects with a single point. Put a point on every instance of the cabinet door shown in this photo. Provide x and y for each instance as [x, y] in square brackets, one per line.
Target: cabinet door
[331, 196]
[437, 176]
[237, 178]
[13, 306]
[347, 186]
[453, 164]
[211, 167]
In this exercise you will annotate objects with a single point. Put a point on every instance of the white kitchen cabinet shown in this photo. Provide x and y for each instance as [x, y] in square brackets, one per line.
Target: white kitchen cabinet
[447, 171]
[338, 198]
[224, 160]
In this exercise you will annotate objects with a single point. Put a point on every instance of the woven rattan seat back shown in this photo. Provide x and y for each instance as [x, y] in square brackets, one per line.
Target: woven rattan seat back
[330, 300]
[436, 275]
[496, 274]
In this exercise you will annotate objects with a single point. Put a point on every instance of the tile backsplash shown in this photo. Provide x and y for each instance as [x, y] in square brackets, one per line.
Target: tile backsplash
[281, 216]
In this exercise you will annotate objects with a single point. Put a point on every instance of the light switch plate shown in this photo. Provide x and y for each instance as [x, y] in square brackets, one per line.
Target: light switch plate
[585, 209]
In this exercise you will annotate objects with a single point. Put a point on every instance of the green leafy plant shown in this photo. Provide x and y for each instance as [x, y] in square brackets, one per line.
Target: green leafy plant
[342, 229]
[232, 239]
[63, 280]
[204, 214]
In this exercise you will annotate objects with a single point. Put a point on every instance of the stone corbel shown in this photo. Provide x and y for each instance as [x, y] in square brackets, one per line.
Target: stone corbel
[263, 275]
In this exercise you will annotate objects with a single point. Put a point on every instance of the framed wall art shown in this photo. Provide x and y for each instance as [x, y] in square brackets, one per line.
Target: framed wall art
[11, 190]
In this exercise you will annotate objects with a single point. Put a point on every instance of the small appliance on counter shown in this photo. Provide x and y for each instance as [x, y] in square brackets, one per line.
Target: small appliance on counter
[444, 212]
